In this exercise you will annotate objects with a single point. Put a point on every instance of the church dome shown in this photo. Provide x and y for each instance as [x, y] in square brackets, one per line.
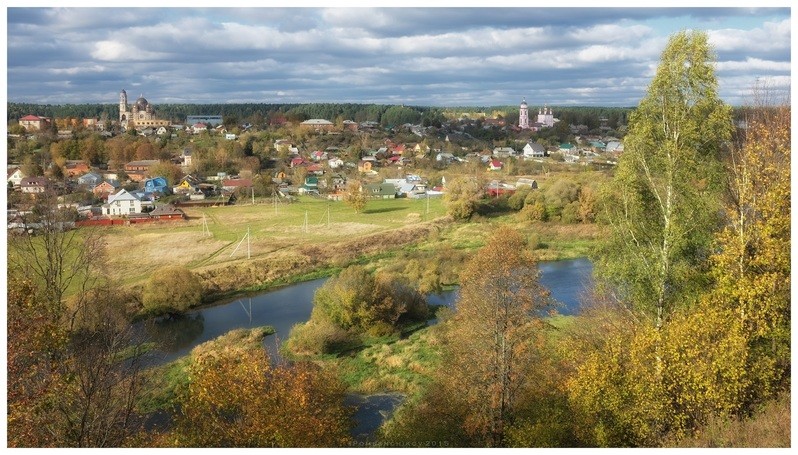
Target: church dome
[523, 103]
[142, 103]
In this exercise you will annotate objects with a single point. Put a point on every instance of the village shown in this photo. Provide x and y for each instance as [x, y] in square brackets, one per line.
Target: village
[187, 173]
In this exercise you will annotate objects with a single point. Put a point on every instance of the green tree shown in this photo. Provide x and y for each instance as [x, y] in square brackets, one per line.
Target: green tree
[662, 205]
[172, 290]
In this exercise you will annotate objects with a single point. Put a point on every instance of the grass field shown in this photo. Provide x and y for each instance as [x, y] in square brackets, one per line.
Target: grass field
[212, 234]
[309, 237]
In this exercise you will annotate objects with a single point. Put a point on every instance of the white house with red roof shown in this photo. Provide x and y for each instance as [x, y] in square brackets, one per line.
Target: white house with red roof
[198, 128]
[34, 122]
[495, 165]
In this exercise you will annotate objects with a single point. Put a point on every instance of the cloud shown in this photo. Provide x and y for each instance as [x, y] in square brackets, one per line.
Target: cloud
[490, 56]
[119, 51]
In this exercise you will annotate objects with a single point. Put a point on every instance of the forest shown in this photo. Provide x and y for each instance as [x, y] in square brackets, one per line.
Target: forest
[683, 342]
[263, 113]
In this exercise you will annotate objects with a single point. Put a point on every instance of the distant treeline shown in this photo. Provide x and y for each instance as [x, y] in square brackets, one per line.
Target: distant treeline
[386, 115]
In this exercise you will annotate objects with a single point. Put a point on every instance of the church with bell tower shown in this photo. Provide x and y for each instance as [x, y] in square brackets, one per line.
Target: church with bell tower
[140, 115]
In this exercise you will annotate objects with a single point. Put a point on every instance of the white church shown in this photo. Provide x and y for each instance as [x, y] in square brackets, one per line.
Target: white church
[545, 118]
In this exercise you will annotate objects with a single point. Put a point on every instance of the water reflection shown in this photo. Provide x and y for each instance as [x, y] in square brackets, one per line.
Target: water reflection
[176, 333]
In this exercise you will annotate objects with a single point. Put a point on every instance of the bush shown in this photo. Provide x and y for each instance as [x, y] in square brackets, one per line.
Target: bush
[317, 337]
[172, 290]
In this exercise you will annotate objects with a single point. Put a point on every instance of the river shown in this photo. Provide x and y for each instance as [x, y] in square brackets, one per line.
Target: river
[283, 308]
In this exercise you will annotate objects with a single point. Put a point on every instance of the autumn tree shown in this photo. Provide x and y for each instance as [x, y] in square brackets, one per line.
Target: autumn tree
[354, 196]
[751, 264]
[54, 254]
[662, 203]
[170, 171]
[237, 398]
[462, 195]
[172, 290]
[491, 341]
[73, 369]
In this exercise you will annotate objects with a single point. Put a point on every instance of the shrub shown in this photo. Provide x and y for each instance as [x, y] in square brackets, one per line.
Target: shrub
[172, 290]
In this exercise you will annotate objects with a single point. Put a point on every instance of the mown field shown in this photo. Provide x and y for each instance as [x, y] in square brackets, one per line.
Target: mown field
[282, 244]
[210, 237]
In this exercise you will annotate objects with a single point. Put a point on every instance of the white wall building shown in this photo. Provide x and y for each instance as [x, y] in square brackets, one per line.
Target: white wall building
[122, 203]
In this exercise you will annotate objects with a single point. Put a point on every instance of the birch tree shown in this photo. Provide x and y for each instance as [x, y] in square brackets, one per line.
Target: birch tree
[663, 203]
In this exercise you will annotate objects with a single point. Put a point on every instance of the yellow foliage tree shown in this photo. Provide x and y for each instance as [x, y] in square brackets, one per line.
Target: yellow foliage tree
[236, 398]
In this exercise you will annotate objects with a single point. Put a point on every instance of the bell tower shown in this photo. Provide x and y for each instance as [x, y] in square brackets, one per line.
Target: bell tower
[523, 116]
[123, 115]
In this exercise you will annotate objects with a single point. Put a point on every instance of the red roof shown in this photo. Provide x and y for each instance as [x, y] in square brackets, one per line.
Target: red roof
[496, 163]
[31, 117]
[314, 168]
[297, 161]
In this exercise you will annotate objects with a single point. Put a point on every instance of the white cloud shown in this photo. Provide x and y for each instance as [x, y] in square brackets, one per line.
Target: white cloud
[117, 51]
[771, 36]
[752, 65]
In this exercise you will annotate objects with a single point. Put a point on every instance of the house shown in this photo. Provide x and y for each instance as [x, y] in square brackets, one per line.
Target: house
[156, 185]
[311, 185]
[186, 186]
[34, 185]
[350, 125]
[444, 157]
[285, 144]
[15, 176]
[34, 122]
[495, 165]
[380, 190]
[90, 180]
[167, 212]
[316, 169]
[147, 132]
[230, 136]
[614, 146]
[75, 167]
[198, 128]
[298, 161]
[421, 149]
[137, 171]
[504, 152]
[365, 166]
[496, 188]
[105, 188]
[318, 155]
[534, 150]
[186, 157]
[335, 163]
[318, 124]
[122, 203]
[235, 184]
[338, 181]
[568, 149]
[531, 183]
[598, 145]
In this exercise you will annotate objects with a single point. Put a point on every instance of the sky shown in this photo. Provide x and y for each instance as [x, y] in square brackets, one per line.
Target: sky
[419, 56]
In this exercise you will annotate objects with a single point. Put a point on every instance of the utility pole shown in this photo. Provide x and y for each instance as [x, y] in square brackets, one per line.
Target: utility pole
[248, 249]
[306, 222]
